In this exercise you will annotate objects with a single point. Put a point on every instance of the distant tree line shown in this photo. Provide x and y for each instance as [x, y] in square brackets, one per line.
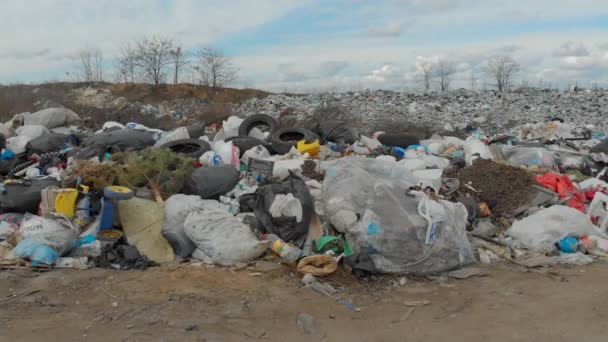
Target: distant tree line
[500, 69]
[159, 60]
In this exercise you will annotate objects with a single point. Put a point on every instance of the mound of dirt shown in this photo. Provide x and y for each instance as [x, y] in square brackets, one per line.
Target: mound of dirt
[503, 187]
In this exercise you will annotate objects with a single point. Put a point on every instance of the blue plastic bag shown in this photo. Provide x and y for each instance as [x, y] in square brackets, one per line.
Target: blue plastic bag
[37, 252]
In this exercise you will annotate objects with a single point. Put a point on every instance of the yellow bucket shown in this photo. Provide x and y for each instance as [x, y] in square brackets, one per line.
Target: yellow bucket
[312, 149]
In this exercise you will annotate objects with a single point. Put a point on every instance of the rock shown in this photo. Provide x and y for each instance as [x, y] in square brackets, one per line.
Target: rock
[465, 273]
[307, 323]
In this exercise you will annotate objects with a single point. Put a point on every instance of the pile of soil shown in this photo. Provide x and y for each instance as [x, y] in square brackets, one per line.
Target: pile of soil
[504, 188]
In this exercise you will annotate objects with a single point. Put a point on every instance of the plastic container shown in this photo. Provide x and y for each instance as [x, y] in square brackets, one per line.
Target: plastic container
[312, 148]
[286, 251]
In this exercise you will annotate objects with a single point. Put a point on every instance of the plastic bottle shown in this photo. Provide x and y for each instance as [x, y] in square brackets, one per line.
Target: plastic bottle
[283, 249]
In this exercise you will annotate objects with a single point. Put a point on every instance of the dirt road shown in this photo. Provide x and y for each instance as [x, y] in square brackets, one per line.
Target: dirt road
[196, 303]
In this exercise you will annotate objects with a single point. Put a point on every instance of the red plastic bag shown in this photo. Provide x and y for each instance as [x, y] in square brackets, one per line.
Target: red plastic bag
[564, 187]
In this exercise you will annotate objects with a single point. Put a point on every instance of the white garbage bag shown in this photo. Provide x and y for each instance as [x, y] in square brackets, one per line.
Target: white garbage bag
[59, 233]
[228, 152]
[231, 126]
[52, 117]
[177, 208]
[17, 144]
[32, 131]
[541, 230]
[220, 237]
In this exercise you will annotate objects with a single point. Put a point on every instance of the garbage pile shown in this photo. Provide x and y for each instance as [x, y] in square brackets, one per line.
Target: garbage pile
[322, 198]
[485, 109]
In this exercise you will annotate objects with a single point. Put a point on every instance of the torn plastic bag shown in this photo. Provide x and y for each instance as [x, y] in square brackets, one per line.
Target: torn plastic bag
[24, 197]
[337, 132]
[541, 230]
[288, 228]
[123, 140]
[212, 182]
[52, 118]
[220, 238]
[177, 208]
[529, 156]
[57, 233]
[366, 199]
[51, 142]
[32, 131]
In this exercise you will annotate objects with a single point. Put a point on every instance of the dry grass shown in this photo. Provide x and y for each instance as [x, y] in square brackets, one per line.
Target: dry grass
[147, 93]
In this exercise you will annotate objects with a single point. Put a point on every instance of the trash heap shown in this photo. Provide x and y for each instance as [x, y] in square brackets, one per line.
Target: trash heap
[321, 198]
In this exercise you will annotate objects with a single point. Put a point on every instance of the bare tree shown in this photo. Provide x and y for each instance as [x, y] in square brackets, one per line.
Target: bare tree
[426, 68]
[90, 65]
[473, 79]
[178, 60]
[502, 69]
[98, 65]
[214, 68]
[127, 63]
[153, 57]
[444, 71]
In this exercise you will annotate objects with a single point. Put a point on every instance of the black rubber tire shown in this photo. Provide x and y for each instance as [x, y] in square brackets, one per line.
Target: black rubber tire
[285, 138]
[398, 140]
[247, 143]
[193, 148]
[257, 120]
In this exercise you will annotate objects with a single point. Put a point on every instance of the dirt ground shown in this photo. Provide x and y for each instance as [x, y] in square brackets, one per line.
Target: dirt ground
[197, 303]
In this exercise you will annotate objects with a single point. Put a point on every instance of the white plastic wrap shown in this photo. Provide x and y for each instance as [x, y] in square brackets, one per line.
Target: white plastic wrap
[367, 200]
[519, 156]
[541, 230]
[17, 144]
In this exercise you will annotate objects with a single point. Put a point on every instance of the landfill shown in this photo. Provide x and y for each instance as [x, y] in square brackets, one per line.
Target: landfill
[321, 197]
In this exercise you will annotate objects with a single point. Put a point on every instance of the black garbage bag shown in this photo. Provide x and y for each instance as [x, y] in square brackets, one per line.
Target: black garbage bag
[398, 139]
[123, 140]
[212, 182]
[337, 132]
[24, 197]
[51, 142]
[8, 164]
[287, 228]
[600, 148]
[123, 257]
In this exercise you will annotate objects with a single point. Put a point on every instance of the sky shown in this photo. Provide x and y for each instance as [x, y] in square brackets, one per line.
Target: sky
[319, 45]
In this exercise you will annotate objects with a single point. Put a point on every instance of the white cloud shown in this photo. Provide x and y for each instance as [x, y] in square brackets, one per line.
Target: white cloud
[571, 49]
[388, 30]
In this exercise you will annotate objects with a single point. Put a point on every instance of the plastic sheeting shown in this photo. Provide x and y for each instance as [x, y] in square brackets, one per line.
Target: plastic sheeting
[367, 200]
[541, 230]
